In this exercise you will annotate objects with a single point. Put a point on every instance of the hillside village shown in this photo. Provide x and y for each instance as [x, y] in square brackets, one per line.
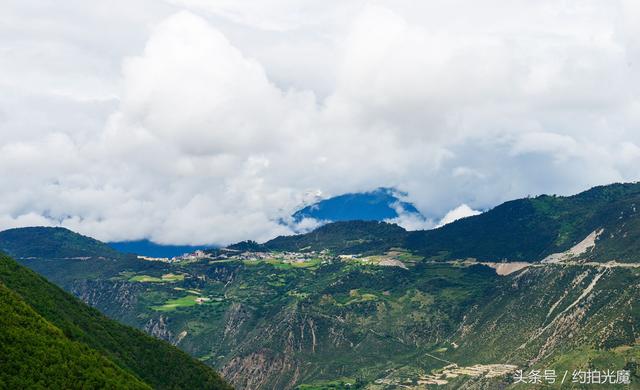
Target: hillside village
[225, 254]
[301, 259]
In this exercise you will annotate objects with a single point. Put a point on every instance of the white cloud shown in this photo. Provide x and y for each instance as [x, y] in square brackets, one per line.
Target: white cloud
[459, 212]
[209, 122]
[24, 220]
[412, 221]
[407, 219]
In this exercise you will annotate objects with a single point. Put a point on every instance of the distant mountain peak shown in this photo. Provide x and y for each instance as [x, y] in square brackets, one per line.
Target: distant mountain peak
[377, 205]
[52, 242]
[149, 248]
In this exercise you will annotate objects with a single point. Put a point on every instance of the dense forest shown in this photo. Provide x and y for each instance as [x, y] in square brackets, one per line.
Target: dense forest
[50, 339]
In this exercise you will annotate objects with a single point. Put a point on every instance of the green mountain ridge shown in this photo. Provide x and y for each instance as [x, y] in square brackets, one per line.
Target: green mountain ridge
[42, 320]
[532, 228]
[526, 229]
[53, 243]
[35, 353]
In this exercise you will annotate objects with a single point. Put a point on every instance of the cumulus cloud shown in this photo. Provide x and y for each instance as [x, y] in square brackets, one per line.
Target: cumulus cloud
[195, 122]
[412, 221]
[408, 219]
[459, 212]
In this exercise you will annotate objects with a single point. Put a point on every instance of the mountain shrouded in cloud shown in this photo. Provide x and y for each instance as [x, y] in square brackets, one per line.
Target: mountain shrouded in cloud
[191, 122]
[378, 205]
[382, 204]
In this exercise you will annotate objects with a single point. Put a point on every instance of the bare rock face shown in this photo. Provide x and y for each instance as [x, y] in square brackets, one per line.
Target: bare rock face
[120, 295]
[236, 316]
[158, 327]
[262, 369]
[224, 274]
[256, 364]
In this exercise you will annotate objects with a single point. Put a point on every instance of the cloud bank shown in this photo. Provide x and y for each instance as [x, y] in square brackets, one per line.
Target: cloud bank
[196, 122]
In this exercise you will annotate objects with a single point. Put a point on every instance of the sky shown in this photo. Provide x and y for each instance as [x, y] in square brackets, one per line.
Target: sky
[210, 122]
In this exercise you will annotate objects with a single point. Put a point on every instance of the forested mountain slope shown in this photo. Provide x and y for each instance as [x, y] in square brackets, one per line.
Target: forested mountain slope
[528, 229]
[532, 228]
[34, 352]
[48, 322]
[53, 243]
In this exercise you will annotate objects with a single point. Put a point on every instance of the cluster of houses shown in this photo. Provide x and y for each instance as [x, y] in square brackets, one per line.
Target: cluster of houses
[286, 257]
[187, 257]
[232, 254]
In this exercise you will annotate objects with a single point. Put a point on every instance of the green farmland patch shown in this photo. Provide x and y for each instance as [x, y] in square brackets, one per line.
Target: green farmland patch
[166, 278]
[172, 304]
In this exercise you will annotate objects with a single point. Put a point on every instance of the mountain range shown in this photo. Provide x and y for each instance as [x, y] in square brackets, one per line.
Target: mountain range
[534, 284]
[380, 204]
[527, 229]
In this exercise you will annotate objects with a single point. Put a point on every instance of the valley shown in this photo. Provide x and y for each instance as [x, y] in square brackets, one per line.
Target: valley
[321, 315]
[324, 316]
